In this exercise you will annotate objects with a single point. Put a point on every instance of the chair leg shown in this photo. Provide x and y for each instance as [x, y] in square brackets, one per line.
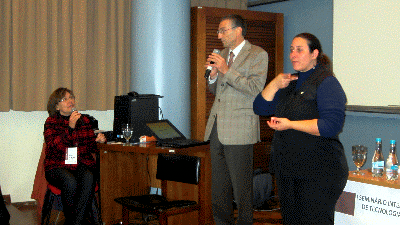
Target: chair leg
[125, 215]
[201, 219]
[163, 219]
[58, 217]
[46, 209]
[96, 212]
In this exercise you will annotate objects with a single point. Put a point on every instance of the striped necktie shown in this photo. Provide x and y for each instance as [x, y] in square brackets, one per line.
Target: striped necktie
[231, 55]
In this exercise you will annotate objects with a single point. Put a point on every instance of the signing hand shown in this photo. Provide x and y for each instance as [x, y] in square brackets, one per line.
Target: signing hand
[279, 123]
[74, 118]
[279, 82]
[283, 80]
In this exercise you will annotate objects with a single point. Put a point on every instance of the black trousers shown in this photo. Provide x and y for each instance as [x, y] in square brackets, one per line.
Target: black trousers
[77, 191]
[232, 178]
[309, 200]
[4, 214]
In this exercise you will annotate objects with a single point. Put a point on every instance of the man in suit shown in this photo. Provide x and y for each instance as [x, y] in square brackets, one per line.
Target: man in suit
[233, 127]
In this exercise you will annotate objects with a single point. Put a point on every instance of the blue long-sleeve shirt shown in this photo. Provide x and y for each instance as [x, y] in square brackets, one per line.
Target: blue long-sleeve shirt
[331, 101]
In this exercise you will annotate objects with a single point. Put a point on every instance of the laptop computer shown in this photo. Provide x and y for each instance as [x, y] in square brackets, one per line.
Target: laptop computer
[169, 136]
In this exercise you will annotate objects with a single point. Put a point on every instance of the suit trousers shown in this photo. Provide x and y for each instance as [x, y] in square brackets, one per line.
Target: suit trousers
[232, 179]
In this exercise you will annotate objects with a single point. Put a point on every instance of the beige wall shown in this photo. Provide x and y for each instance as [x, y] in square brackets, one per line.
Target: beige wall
[229, 4]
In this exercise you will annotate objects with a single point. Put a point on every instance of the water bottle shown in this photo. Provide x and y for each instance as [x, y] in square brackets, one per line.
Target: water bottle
[377, 160]
[392, 163]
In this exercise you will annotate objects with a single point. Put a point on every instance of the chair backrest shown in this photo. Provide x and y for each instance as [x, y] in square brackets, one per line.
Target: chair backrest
[180, 168]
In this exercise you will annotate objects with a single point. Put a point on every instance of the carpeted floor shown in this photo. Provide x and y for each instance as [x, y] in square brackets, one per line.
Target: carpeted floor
[26, 214]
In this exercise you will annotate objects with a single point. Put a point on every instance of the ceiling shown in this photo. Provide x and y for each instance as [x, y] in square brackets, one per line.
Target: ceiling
[251, 3]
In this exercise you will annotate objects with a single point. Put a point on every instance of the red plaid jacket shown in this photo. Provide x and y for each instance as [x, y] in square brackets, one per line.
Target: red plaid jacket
[59, 136]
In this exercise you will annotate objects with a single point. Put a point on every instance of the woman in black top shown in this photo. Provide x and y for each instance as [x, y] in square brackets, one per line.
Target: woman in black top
[306, 156]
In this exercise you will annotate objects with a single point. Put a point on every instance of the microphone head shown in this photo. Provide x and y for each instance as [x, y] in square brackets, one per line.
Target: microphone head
[209, 68]
[216, 51]
[74, 109]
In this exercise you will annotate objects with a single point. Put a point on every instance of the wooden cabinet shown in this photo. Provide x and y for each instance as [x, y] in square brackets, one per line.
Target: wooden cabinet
[264, 30]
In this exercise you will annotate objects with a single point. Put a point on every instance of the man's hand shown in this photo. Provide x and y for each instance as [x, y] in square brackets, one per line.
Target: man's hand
[218, 65]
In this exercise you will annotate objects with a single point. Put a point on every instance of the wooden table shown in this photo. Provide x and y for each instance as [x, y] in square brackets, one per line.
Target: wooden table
[369, 200]
[131, 170]
[369, 179]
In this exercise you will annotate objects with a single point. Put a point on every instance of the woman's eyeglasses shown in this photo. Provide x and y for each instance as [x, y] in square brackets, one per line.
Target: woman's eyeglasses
[66, 99]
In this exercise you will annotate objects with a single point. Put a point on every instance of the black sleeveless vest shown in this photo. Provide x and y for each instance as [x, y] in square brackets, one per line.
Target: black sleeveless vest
[298, 154]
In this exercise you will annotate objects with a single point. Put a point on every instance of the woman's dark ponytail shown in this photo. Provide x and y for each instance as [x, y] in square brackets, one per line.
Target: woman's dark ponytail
[314, 43]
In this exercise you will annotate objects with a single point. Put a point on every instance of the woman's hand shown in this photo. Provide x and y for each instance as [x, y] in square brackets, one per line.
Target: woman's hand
[283, 80]
[101, 138]
[279, 82]
[307, 126]
[73, 119]
[279, 123]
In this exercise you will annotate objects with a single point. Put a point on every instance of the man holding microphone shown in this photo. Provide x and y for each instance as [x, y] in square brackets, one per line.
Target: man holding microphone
[238, 74]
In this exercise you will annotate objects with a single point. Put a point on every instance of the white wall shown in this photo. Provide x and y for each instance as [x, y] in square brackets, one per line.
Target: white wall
[366, 50]
[21, 141]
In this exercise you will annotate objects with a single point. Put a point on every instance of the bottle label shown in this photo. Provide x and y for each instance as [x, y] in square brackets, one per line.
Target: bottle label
[377, 168]
[389, 174]
[392, 172]
[378, 164]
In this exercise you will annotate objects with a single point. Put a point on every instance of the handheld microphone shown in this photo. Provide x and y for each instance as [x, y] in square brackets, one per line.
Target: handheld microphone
[73, 110]
[209, 68]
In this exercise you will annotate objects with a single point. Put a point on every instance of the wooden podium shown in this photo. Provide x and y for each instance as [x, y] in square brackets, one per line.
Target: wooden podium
[131, 170]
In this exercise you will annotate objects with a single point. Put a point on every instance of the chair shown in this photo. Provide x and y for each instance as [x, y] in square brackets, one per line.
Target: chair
[48, 197]
[52, 202]
[170, 167]
[40, 184]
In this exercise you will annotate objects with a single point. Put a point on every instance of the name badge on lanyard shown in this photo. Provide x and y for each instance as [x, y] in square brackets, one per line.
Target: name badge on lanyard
[71, 156]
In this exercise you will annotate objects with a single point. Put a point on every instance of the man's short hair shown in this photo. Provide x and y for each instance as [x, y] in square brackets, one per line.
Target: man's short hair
[237, 21]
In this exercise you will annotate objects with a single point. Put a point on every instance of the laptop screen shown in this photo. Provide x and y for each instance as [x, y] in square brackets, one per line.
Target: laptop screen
[163, 130]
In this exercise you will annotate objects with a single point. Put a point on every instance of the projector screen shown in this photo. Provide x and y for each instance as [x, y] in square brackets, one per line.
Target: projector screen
[366, 50]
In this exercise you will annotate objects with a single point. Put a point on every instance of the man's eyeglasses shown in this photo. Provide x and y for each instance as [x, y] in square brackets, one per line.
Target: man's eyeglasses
[222, 31]
[66, 99]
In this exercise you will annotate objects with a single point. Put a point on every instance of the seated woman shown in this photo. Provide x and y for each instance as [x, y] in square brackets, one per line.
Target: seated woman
[69, 164]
